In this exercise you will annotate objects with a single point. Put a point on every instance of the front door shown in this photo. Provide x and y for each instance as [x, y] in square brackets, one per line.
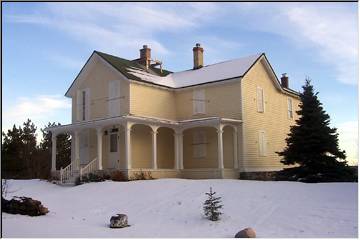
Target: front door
[114, 155]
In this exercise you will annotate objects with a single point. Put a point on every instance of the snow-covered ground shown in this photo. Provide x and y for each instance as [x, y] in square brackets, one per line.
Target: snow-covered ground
[173, 208]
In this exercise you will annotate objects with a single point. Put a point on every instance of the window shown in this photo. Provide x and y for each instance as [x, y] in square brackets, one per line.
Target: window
[262, 143]
[113, 142]
[199, 144]
[83, 105]
[290, 108]
[260, 99]
[199, 101]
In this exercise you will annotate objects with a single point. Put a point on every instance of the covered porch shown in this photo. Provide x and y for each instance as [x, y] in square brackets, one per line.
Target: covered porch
[196, 148]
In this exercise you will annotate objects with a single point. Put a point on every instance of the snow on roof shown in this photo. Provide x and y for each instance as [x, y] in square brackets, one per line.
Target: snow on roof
[210, 73]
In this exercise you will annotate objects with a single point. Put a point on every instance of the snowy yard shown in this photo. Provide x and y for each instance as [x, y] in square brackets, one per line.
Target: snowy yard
[173, 208]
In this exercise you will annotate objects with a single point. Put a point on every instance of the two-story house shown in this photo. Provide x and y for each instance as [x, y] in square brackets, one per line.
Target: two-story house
[212, 121]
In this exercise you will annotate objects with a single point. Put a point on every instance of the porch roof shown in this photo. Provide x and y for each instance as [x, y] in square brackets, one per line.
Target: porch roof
[176, 125]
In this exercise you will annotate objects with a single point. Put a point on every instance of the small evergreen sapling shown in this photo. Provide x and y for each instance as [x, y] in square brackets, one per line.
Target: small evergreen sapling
[212, 206]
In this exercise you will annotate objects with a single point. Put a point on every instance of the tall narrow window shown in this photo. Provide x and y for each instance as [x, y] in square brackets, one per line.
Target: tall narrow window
[290, 108]
[83, 105]
[262, 143]
[260, 99]
[199, 101]
[199, 144]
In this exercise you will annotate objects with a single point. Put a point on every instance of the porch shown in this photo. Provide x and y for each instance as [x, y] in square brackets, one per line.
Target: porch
[196, 148]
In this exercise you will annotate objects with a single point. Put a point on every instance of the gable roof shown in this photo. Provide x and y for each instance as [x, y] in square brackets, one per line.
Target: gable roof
[222, 71]
[207, 74]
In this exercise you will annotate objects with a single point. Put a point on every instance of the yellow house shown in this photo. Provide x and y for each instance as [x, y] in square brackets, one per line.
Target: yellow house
[213, 121]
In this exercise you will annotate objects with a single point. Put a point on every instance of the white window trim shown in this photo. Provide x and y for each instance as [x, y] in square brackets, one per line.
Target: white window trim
[257, 100]
[262, 143]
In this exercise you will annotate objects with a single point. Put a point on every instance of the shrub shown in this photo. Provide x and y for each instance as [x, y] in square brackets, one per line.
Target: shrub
[118, 176]
[142, 176]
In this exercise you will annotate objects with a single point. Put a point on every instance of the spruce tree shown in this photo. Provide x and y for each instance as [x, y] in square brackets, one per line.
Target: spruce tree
[212, 206]
[312, 144]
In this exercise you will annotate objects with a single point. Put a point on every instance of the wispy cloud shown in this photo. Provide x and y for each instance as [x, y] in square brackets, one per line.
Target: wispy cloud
[120, 28]
[328, 31]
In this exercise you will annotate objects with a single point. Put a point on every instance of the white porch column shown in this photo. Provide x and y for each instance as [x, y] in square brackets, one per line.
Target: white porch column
[99, 147]
[77, 149]
[181, 153]
[128, 145]
[220, 148]
[235, 140]
[53, 152]
[154, 146]
[178, 150]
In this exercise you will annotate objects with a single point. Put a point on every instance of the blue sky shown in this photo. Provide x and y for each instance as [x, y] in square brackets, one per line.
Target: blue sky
[46, 44]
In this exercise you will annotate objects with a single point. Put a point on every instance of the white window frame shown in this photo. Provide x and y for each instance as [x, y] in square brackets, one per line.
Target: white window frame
[260, 108]
[199, 144]
[290, 111]
[199, 101]
[262, 143]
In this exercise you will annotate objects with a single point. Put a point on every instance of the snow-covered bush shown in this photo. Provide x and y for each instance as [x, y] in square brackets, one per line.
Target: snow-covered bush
[212, 206]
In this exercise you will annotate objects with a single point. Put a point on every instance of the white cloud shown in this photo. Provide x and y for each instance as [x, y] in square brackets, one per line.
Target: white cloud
[348, 140]
[40, 109]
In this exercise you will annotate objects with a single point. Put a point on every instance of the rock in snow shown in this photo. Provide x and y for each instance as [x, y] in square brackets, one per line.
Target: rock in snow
[246, 233]
[119, 221]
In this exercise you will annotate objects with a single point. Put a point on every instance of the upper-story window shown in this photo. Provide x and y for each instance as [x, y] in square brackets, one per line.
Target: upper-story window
[83, 104]
[260, 99]
[290, 108]
[199, 101]
[114, 98]
[199, 144]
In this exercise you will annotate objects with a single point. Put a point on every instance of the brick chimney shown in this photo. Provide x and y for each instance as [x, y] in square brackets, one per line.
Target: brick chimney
[145, 56]
[284, 80]
[198, 56]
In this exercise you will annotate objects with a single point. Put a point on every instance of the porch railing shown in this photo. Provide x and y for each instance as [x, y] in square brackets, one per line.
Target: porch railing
[68, 172]
[89, 168]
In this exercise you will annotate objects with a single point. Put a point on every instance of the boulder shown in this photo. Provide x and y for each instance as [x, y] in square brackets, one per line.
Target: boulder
[119, 221]
[246, 233]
